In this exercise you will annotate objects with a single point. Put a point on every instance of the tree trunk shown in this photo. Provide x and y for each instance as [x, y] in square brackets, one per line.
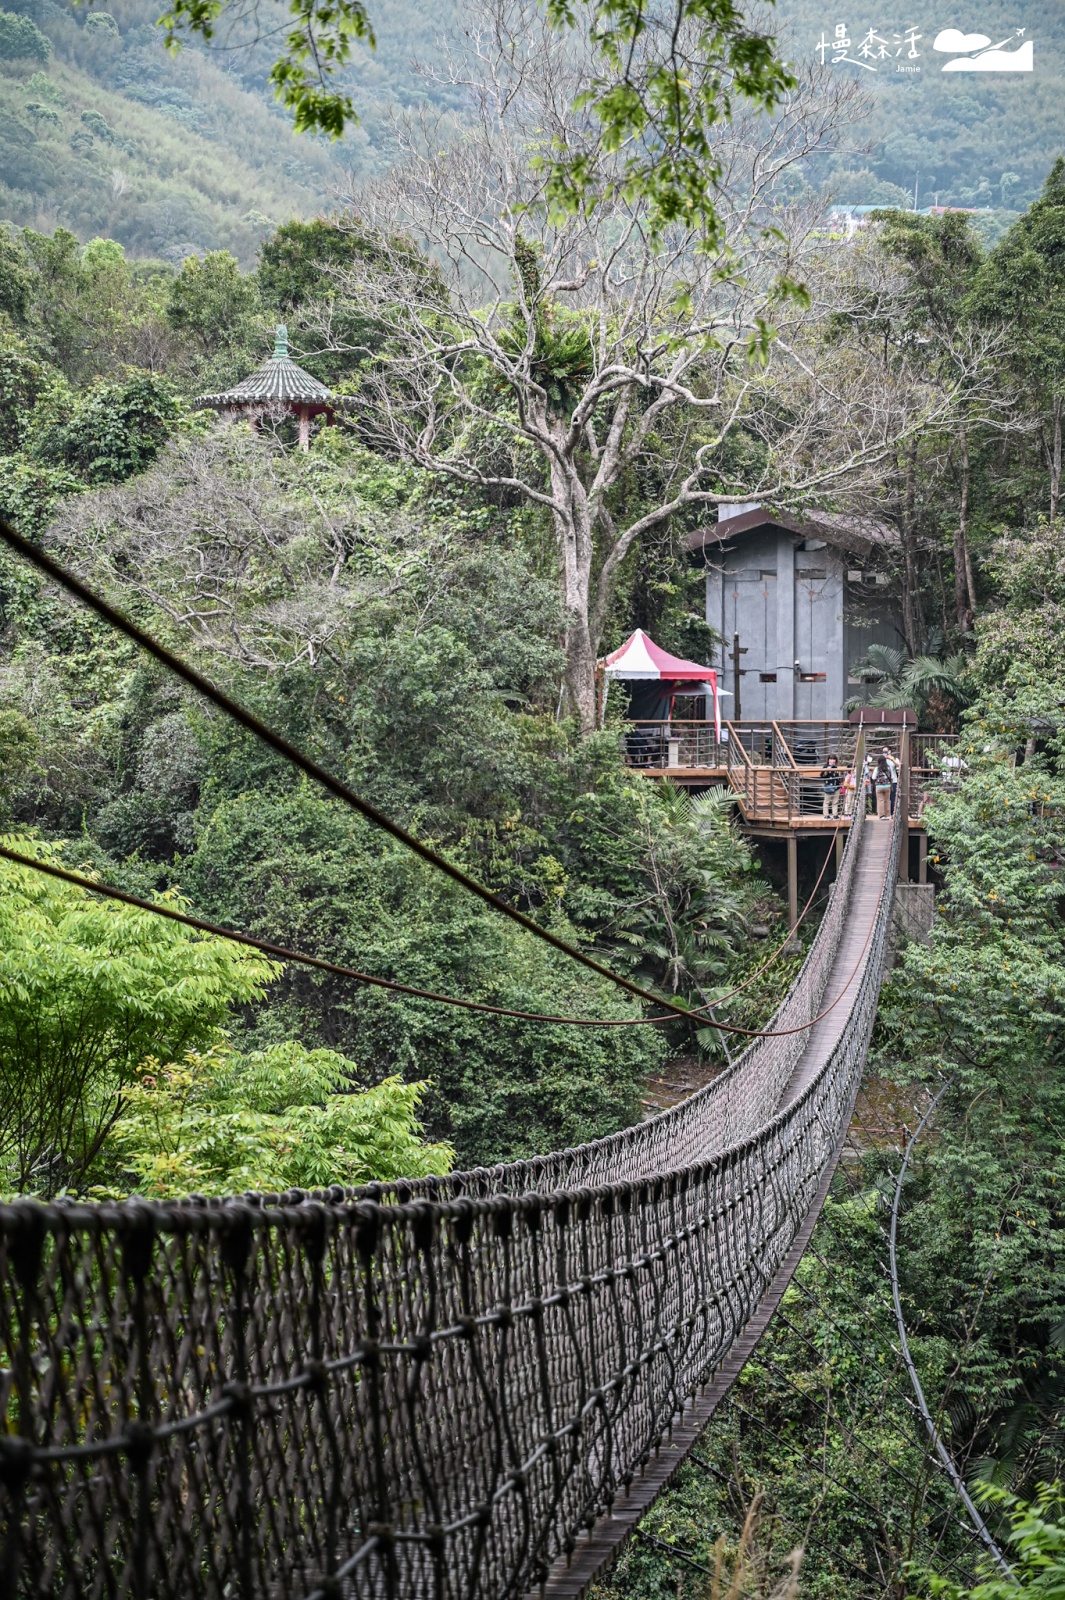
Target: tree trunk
[962, 566]
[1055, 461]
[574, 532]
[910, 606]
[580, 671]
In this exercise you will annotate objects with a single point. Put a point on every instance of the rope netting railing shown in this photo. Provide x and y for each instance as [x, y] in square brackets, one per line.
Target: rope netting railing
[427, 1389]
[722, 1114]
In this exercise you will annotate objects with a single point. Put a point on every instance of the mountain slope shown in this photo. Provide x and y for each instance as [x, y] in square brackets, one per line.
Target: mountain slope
[167, 155]
[962, 138]
[177, 154]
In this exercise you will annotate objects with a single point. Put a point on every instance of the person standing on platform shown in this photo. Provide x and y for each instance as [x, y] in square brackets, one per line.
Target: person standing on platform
[893, 769]
[882, 787]
[831, 778]
[848, 789]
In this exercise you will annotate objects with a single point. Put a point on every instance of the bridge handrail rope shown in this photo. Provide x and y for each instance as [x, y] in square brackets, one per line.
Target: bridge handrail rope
[411, 1390]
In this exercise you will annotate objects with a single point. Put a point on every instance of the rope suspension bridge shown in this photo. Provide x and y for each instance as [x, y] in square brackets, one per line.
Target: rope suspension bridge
[459, 1388]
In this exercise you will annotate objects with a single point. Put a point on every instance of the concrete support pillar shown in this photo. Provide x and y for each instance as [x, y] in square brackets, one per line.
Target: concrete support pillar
[793, 881]
[922, 856]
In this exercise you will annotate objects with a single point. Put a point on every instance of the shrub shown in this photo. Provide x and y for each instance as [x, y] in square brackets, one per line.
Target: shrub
[88, 990]
[115, 430]
[219, 1123]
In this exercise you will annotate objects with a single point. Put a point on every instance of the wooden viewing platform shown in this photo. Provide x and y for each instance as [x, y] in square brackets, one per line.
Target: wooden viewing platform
[774, 770]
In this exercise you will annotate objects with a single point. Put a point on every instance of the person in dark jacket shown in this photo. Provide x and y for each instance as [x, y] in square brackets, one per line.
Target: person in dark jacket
[831, 780]
[882, 787]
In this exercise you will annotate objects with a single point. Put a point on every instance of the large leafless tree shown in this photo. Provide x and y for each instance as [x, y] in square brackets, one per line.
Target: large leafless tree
[583, 362]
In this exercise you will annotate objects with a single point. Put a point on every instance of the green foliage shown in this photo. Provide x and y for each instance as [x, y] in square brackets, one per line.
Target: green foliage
[562, 356]
[659, 89]
[101, 22]
[1035, 1543]
[18, 749]
[981, 1004]
[22, 40]
[923, 683]
[293, 261]
[297, 267]
[282, 1118]
[15, 277]
[88, 990]
[317, 45]
[113, 429]
[31, 491]
[661, 85]
[214, 305]
[23, 379]
[1022, 286]
[1018, 673]
[316, 877]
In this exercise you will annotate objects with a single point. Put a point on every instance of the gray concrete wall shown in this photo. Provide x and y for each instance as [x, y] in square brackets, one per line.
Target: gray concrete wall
[792, 601]
[914, 911]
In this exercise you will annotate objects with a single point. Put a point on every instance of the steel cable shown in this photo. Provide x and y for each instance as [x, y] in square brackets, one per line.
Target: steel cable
[302, 958]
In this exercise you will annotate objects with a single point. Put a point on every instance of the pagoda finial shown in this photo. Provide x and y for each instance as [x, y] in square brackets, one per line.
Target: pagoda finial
[280, 342]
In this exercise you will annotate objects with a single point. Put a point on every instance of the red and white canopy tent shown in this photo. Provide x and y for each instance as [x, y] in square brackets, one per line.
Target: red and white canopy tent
[640, 660]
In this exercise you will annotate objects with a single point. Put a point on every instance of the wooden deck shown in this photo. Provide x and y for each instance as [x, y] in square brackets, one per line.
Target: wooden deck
[774, 769]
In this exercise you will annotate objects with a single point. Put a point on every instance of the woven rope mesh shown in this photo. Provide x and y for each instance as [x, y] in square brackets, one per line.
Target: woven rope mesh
[426, 1389]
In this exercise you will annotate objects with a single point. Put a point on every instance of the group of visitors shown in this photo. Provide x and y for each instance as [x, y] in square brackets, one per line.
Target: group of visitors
[880, 785]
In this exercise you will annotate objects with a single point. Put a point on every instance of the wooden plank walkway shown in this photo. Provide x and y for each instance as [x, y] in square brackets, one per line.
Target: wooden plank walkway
[606, 1540]
[848, 968]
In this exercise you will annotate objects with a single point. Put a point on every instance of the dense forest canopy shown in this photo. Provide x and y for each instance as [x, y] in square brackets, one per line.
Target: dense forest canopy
[525, 383]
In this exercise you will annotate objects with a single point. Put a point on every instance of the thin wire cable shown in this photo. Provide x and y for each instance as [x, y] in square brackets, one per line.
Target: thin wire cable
[834, 1555]
[311, 769]
[933, 1432]
[301, 958]
[757, 973]
[281, 952]
[955, 1561]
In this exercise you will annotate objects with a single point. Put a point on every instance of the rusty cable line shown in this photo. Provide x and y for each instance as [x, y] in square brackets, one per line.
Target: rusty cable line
[302, 958]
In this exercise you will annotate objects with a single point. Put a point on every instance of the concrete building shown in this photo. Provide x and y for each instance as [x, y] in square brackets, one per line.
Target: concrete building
[807, 597]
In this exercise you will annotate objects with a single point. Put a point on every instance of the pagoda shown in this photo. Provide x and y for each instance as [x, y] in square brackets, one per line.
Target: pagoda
[278, 385]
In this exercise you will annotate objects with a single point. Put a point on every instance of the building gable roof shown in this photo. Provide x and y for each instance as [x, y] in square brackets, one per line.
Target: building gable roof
[855, 535]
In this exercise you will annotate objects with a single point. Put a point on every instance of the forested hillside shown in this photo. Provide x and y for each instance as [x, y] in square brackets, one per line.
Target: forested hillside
[104, 133]
[962, 139]
[535, 402]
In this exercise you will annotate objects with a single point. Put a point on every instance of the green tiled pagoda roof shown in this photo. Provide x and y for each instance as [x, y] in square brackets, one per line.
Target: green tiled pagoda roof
[278, 381]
